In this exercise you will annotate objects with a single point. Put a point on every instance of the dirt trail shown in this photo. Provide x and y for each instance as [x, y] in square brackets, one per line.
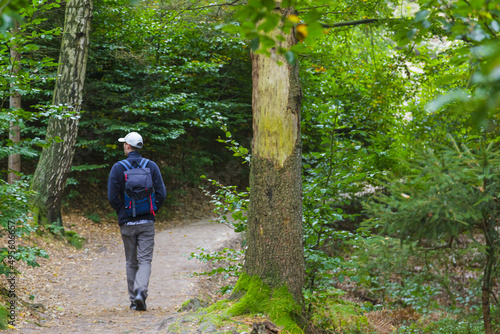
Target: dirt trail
[90, 294]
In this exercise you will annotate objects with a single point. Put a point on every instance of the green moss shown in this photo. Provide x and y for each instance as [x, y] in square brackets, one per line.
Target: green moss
[257, 298]
[183, 306]
[218, 319]
[219, 306]
[253, 298]
[174, 328]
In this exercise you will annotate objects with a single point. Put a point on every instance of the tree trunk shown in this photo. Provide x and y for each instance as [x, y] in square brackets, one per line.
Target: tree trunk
[491, 237]
[274, 232]
[55, 162]
[14, 162]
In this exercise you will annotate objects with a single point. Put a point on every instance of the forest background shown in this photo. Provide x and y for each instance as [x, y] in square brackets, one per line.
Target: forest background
[399, 134]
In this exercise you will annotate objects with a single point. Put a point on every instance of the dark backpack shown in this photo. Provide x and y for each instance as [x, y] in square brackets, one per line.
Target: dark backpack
[139, 190]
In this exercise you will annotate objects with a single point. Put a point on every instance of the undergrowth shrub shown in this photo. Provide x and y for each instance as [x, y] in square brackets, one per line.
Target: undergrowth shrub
[14, 222]
[471, 324]
[231, 208]
[331, 313]
[71, 237]
[227, 263]
[447, 200]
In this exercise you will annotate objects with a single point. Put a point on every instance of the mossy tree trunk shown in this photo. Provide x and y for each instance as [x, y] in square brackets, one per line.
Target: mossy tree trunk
[14, 161]
[275, 251]
[55, 161]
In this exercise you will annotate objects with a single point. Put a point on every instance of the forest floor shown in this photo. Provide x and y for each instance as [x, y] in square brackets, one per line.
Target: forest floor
[85, 291]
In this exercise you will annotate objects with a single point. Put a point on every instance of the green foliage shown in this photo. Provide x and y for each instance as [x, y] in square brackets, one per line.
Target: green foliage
[353, 115]
[34, 70]
[14, 222]
[420, 296]
[30, 255]
[258, 19]
[333, 314]
[228, 200]
[14, 199]
[74, 239]
[227, 263]
[3, 317]
[411, 275]
[476, 25]
[362, 112]
[164, 73]
[169, 74]
[450, 194]
[71, 236]
[231, 144]
[94, 217]
[471, 324]
[450, 191]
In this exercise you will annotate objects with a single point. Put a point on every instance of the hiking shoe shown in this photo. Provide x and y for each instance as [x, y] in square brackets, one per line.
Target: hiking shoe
[140, 301]
[133, 306]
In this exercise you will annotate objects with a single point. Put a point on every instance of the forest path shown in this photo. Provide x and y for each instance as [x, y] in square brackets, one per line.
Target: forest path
[90, 293]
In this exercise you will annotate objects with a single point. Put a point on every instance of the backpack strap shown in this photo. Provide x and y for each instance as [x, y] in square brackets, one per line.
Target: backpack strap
[143, 163]
[126, 164]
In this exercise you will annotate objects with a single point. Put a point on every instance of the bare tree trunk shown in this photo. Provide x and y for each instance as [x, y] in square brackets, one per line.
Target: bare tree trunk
[55, 162]
[274, 232]
[14, 162]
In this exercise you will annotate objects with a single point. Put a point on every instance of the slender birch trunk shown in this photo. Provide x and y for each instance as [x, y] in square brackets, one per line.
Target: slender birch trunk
[55, 161]
[14, 161]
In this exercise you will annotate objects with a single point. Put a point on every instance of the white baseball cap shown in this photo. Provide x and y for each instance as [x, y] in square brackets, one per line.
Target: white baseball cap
[133, 138]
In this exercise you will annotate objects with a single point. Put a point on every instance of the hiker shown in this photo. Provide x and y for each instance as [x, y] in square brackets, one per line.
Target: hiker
[136, 191]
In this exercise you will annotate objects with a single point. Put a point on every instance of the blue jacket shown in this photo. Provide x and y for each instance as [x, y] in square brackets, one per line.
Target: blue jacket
[116, 188]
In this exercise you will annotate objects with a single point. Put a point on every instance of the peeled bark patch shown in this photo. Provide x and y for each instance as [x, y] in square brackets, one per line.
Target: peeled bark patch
[276, 92]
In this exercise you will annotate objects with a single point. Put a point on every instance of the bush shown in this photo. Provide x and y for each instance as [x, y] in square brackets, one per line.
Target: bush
[447, 325]
[14, 222]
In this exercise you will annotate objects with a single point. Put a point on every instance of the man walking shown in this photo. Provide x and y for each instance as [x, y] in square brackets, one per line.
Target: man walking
[136, 225]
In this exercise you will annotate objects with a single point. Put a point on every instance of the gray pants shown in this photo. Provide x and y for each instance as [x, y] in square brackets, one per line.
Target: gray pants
[138, 241]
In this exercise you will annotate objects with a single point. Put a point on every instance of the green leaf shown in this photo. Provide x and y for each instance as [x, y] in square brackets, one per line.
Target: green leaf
[421, 15]
[441, 101]
[410, 34]
[268, 4]
[495, 26]
[290, 57]
[270, 23]
[312, 16]
[254, 44]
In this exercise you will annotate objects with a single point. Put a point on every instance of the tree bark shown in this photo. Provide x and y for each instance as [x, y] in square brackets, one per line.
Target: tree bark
[274, 232]
[55, 161]
[14, 161]
[491, 237]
